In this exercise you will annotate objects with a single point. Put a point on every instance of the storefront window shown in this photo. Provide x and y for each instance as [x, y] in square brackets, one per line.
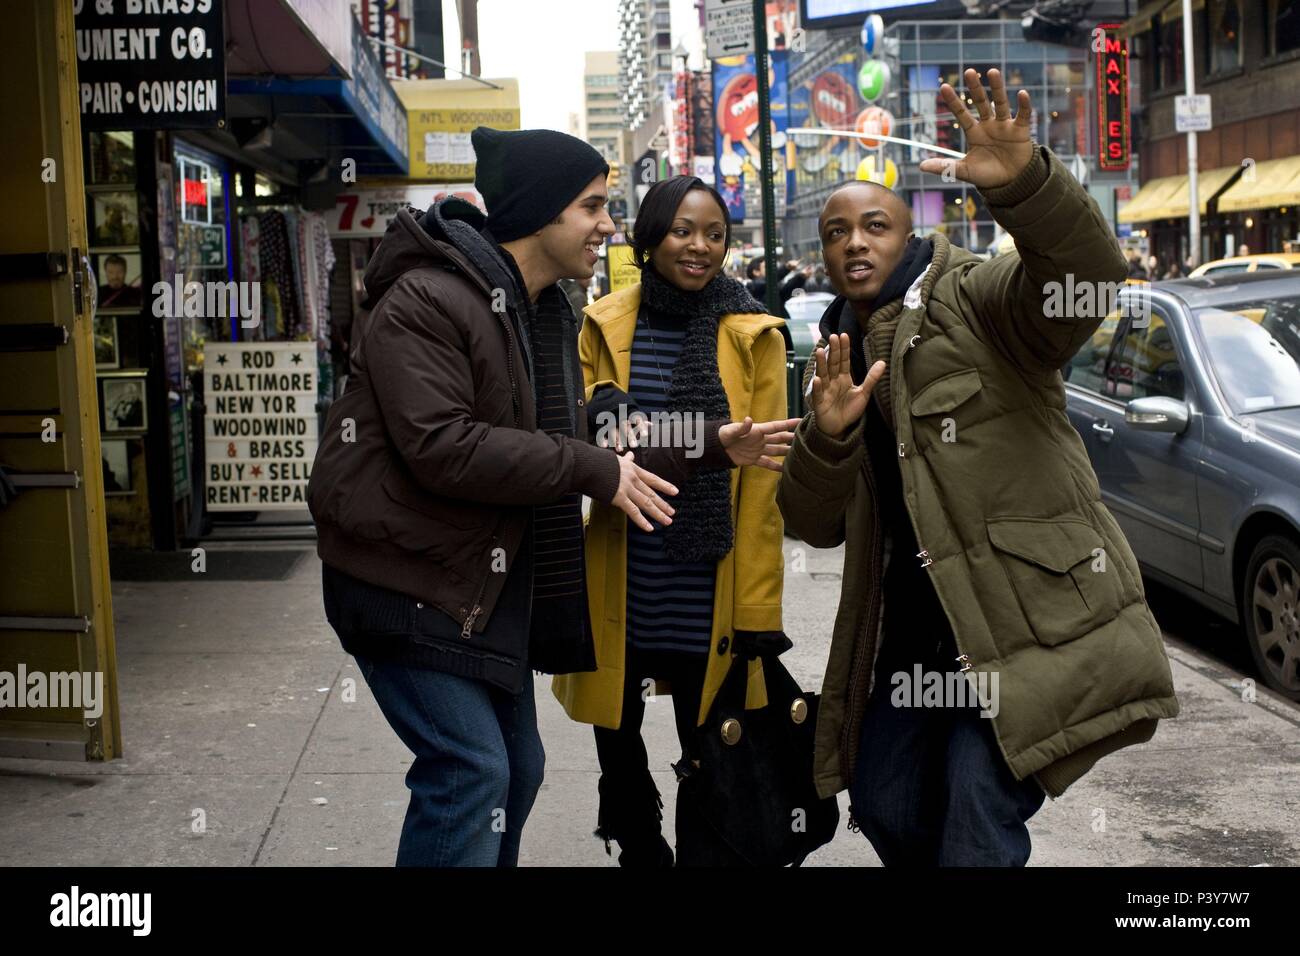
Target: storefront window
[1283, 24]
[112, 158]
[1064, 111]
[1168, 49]
[201, 241]
[1024, 74]
[1224, 34]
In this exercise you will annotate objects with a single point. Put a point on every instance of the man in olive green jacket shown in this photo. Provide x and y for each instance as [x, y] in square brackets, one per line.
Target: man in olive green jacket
[978, 554]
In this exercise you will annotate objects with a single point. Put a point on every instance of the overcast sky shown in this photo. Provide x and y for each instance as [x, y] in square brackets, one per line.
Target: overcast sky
[541, 43]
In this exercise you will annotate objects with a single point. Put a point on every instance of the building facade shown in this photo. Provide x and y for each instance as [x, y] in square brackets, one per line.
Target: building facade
[602, 104]
[644, 56]
[922, 55]
[1246, 57]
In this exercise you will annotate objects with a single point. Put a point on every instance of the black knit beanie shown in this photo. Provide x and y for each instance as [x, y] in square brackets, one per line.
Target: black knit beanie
[528, 176]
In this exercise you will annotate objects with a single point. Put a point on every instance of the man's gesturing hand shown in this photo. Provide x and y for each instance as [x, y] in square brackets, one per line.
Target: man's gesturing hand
[759, 444]
[838, 403]
[998, 146]
[637, 493]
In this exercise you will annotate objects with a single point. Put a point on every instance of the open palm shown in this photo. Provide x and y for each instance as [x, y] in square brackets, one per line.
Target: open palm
[837, 403]
[998, 145]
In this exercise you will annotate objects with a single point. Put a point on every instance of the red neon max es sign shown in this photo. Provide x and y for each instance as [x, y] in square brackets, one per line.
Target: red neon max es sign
[1112, 97]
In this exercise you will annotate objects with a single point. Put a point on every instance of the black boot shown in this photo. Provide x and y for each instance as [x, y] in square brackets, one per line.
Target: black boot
[631, 814]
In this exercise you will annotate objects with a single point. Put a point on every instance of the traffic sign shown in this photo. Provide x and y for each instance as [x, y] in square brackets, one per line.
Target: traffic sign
[729, 27]
[1192, 113]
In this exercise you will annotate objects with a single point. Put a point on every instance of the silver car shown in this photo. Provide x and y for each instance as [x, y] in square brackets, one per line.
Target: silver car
[1192, 421]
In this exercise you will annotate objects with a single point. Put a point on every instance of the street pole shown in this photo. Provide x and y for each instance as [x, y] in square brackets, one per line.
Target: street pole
[1193, 193]
[772, 299]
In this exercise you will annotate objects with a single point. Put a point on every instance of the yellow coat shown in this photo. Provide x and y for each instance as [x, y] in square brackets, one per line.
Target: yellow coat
[751, 362]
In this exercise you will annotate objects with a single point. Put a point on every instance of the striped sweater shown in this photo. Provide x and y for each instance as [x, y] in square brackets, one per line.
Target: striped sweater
[669, 605]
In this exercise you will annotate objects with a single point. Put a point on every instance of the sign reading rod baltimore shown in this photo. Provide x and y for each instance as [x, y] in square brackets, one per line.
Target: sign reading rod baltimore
[150, 64]
[261, 428]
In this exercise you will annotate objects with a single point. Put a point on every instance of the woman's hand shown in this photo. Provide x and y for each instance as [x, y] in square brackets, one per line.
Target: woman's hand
[747, 443]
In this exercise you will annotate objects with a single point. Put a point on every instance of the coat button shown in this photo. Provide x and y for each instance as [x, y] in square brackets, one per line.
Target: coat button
[419, 604]
[723, 644]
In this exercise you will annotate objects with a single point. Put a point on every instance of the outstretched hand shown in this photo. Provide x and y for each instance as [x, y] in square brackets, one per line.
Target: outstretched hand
[760, 444]
[998, 145]
[838, 403]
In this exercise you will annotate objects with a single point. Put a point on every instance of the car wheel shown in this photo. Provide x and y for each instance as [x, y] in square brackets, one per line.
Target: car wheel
[1271, 601]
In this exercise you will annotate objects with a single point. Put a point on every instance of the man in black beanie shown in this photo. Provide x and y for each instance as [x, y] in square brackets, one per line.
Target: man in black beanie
[448, 480]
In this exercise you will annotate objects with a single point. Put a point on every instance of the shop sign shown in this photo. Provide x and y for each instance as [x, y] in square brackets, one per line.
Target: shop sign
[623, 272]
[441, 115]
[366, 213]
[1112, 97]
[372, 95]
[260, 427]
[150, 64]
[180, 451]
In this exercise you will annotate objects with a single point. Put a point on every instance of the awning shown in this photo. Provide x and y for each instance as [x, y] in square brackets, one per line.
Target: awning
[1152, 195]
[1166, 198]
[372, 126]
[1276, 182]
[287, 38]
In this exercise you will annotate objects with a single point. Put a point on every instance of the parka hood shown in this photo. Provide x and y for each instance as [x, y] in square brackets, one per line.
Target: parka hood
[449, 234]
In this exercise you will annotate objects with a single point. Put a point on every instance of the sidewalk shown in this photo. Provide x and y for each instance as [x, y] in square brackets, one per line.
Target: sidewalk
[233, 712]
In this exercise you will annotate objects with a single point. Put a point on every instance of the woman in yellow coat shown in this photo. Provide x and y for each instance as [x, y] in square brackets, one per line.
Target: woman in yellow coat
[691, 350]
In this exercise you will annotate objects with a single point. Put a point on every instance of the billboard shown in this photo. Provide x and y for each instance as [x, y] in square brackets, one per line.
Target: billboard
[736, 137]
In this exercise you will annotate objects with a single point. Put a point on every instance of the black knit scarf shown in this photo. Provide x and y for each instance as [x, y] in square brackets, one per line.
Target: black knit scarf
[701, 528]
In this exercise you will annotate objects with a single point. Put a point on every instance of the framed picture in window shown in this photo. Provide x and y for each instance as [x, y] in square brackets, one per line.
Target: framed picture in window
[116, 455]
[114, 218]
[112, 157]
[118, 275]
[106, 346]
[123, 402]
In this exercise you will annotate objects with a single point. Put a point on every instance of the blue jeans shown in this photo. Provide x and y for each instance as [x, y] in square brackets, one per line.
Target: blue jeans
[478, 763]
[930, 786]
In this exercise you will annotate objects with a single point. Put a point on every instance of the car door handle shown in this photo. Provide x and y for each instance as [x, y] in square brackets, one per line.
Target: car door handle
[1104, 430]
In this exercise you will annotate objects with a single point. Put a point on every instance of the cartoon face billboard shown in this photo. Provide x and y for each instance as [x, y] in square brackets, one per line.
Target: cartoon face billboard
[828, 101]
[736, 136]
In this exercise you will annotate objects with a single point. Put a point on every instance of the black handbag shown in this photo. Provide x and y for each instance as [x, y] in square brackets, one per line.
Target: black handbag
[746, 795]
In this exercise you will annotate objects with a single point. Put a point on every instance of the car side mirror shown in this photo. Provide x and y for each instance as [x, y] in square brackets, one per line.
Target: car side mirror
[1157, 414]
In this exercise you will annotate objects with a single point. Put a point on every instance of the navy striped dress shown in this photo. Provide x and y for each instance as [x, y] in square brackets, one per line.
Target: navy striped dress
[669, 605]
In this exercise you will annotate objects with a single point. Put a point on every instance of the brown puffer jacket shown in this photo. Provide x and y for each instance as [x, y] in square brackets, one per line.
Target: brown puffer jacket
[431, 460]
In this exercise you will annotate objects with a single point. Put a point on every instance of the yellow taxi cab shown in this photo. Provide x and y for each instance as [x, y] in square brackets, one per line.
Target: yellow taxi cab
[1256, 262]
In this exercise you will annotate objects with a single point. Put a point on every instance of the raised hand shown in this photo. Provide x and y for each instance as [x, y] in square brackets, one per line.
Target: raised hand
[759, 444]
[838, 403]
[998, 145]
[638, 491]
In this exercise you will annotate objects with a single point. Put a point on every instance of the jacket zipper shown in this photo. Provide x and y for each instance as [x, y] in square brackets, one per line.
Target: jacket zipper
[856, 692]
[475, 610]
[510, 364]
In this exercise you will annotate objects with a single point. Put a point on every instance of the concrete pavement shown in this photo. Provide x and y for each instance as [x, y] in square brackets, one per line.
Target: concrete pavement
[234, 716]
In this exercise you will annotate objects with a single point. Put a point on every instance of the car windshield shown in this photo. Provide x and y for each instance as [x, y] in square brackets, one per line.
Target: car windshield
[1254, 348]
